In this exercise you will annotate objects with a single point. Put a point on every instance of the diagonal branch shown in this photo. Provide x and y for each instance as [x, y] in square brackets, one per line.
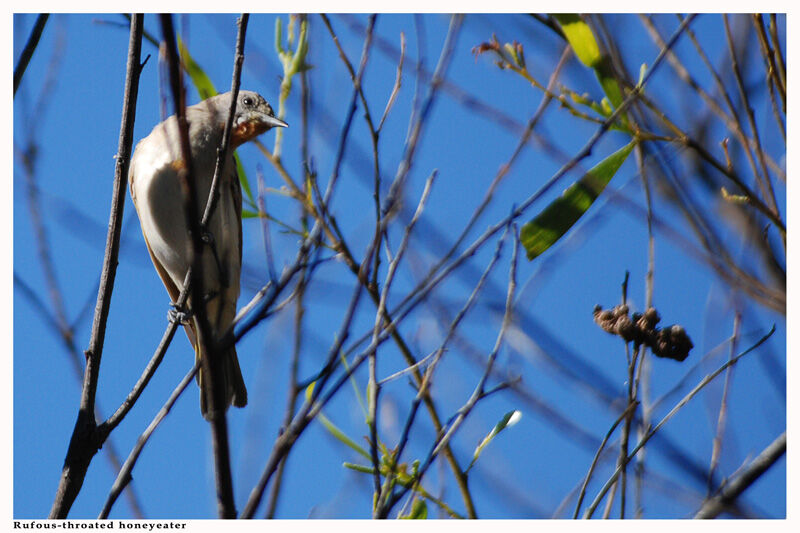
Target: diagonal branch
[30, 47]
[124, 476]
[734, 488]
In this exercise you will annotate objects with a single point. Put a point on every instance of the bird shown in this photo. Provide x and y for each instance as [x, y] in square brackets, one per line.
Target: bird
[157, 195]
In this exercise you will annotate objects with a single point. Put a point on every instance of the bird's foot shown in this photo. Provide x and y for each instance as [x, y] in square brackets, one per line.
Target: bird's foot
[178, 315]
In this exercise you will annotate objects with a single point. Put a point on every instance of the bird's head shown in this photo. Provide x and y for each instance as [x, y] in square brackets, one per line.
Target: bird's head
[253, 117]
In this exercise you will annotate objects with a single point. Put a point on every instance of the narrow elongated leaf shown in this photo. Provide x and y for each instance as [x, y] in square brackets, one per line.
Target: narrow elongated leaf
[580, 37]
[337, 433]
[205, 87]
[508, 420]
[605, 75]
[557, 218]
[419, 511]
[359, 468]
[243, 178]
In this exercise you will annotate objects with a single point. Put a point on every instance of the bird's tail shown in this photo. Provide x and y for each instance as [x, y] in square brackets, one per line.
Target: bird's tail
[230, 375]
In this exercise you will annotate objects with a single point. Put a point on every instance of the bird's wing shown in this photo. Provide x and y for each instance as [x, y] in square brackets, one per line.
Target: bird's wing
[131, 176]
[172, 289]
[236, 192]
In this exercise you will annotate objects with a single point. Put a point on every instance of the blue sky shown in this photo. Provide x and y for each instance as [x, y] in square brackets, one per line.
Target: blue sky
[532, 466]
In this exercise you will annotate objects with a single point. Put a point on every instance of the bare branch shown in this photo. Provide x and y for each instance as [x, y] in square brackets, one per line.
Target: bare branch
[705, 381]
[30, 48]
[83, 443]
[735, 487]
[124, 476]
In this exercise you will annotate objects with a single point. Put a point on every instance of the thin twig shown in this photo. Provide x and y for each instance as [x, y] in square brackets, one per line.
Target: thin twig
[769, 57]
[437, 78]
[387, 499]
[124, 476]
[261, 200]
[397, 186]
[480, 389]
[762, 178]
[307, 413]
[732, 122]
[397, 82]
[716, 447]
[643, 375]
[582, 494]
[373, 387]
[781, 64]
[224, 147]
[705, 381]
[293, 390]
[772, 78]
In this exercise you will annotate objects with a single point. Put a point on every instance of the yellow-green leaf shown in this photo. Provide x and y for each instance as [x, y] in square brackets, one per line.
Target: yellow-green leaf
[604, 71]
[278, 36]
[508, 420]
[359, 468]
[419, 511]
[205, 87]
[310, 390]
[580, 37]
[339, 435]
[557, 218]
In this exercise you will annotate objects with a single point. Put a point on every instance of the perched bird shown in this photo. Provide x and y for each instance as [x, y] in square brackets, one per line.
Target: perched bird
[157, 195]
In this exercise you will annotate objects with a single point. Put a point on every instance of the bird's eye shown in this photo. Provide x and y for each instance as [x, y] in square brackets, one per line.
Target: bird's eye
[248, 101]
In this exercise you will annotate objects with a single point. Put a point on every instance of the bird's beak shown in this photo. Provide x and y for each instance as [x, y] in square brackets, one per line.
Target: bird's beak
[253, 125]
[274, 122]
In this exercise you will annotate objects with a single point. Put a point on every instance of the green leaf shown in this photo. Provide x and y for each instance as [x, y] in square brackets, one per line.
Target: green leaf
[580, 37]
[243, 178]
[247, 213]
[198, 76]
[354, 384]
[509, 419]
[298, 61]
[419, 511]
[604, 71]
[359, 468]
[339, 435]
[278, 36]
[557, 218]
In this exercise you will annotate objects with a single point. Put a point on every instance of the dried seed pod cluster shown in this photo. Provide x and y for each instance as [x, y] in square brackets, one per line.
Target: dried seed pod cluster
[671, 342]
